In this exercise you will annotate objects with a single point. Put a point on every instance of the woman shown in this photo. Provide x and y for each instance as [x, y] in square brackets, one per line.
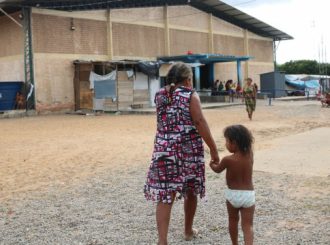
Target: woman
[177, 165]
[249, 93]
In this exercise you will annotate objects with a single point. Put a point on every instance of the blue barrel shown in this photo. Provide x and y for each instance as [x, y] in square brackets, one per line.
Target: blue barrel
[8, 92]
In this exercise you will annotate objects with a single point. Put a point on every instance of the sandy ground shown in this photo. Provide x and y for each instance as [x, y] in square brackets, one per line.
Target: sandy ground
[70, 179]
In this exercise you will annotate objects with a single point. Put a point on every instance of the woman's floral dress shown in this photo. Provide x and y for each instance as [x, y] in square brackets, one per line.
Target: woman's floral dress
[177, 163]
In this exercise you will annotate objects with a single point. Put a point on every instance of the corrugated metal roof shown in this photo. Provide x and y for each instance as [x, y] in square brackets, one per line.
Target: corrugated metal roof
[215, 7]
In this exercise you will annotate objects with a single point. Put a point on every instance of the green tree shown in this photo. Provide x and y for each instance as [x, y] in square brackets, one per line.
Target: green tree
[300, 67]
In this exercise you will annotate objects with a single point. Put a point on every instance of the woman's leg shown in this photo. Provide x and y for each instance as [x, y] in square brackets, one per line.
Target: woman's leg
[190, 206]
[247, 224]
[233, 217]
[163, 215]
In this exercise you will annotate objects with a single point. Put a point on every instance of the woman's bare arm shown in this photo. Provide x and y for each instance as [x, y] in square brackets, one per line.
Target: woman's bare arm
[202, 126]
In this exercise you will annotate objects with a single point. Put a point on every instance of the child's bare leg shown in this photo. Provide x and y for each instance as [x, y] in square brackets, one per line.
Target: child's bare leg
[247, 224]
[233, 217]
[163, 215]
[190, 206]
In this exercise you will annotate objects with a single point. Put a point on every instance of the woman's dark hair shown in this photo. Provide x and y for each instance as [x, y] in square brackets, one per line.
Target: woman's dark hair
[241, 136]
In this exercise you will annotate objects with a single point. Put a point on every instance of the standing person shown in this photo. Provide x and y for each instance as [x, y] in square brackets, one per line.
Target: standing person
[240, 195]
[177, 164]
[249, 94]
[216, 84]
[238, 90]
[255, 87]
[215, 87]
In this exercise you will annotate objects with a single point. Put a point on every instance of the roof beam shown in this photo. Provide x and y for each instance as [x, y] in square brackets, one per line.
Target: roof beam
[10, 17]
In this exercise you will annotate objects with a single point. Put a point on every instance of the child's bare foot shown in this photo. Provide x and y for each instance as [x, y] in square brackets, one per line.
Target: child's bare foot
[189, 237]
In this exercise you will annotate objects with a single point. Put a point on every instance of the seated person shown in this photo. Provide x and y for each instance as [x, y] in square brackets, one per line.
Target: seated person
[326, 100]
[19, 101]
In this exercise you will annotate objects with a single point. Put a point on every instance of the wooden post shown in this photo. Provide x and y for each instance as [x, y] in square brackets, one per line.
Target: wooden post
[77, 86]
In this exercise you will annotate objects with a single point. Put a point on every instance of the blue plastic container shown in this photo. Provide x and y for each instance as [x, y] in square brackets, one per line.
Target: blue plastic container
[8, 92]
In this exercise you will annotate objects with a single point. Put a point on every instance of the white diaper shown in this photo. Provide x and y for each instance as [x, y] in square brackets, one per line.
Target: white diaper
[240, 198]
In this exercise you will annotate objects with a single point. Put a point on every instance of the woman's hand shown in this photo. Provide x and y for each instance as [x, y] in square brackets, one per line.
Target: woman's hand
[215, 156]
[202, 126]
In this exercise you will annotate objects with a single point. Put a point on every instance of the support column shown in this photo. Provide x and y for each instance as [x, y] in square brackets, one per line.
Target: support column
[109, 29]
[197, 78]
[274, 54]
[246, 52]
[239, 73]
[167, 32]
[211, 44]
[28, 60]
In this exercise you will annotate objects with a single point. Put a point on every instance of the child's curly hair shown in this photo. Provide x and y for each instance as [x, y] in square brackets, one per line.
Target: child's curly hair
[241, 136]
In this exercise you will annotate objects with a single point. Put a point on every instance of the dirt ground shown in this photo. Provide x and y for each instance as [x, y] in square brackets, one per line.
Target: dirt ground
[62, 151]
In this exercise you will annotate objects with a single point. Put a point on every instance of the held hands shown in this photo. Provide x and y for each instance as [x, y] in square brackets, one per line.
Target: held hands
[215, 156]
[215, 160]
[214, 165]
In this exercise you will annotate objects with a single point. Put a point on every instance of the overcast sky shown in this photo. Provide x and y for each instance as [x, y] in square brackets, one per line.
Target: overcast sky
[307, 21]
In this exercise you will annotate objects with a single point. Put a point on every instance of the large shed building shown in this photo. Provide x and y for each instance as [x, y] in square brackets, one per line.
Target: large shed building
[40, 40]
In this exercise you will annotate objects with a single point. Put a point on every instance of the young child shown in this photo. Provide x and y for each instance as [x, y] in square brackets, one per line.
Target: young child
[240, 195]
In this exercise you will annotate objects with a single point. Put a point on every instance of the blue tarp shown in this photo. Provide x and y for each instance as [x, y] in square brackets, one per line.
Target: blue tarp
[301, 85]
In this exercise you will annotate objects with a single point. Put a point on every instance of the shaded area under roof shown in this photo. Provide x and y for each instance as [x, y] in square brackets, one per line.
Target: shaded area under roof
[215, 7]
[204, 58]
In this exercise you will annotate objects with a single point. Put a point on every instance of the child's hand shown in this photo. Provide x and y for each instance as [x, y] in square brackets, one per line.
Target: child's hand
[214, 165]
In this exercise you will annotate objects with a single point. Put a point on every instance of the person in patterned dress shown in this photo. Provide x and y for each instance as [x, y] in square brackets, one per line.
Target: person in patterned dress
[249, 93]
[177, 166]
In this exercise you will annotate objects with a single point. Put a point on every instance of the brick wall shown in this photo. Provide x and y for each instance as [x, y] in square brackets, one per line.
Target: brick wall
[11, 37]
[52, 34]
[11, 49]
[261, 50]
[186, 16]
[181, 41]
[137, 40]
[228, 45]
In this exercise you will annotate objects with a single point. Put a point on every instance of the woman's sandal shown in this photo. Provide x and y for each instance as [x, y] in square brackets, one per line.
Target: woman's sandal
[191, 237]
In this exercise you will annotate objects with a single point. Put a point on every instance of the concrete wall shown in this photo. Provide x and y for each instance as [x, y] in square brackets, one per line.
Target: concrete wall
[11, 50]
[141, 33]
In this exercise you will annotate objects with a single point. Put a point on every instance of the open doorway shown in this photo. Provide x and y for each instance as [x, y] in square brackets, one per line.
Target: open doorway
[205, 76]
